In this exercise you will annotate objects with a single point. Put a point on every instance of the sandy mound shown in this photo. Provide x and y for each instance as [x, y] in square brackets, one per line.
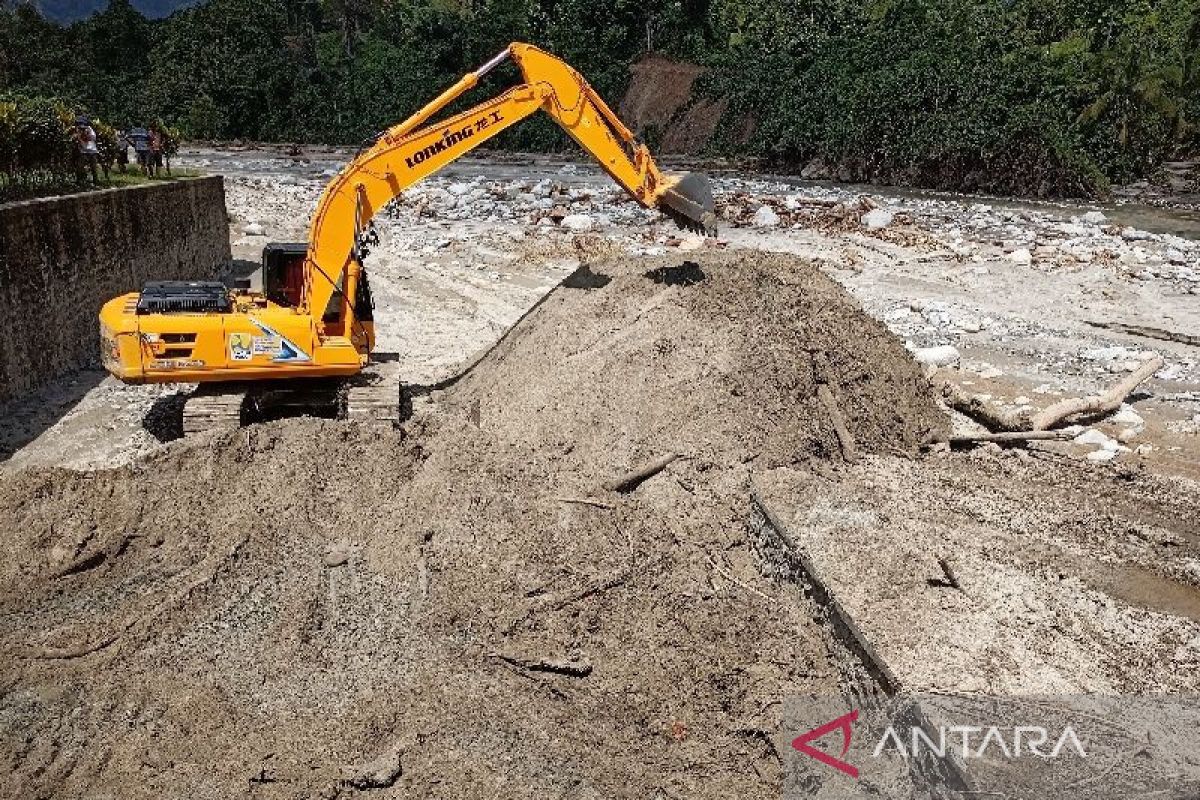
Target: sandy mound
[311, 608]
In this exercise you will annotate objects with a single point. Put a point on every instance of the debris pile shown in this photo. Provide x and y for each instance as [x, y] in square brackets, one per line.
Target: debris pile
[310, 608]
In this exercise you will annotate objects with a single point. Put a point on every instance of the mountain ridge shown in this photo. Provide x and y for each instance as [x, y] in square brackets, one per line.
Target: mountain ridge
[67, 11]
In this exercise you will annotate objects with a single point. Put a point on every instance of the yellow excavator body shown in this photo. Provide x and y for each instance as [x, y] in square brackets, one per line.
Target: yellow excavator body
[257, 340]
[312, 318]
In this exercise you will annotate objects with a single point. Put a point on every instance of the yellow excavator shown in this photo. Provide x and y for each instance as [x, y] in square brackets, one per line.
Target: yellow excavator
[306, 339]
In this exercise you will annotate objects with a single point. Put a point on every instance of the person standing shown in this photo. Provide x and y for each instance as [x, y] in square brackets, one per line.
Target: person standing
[87, 152]
[139, 137]
[122, 151]
[156, 150]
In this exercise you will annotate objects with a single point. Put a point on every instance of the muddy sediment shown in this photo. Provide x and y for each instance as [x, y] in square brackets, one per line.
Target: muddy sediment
[309, 608]
[457, 608]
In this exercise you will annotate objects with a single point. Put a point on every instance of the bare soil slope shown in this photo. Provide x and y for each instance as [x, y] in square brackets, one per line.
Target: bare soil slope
[311, 608]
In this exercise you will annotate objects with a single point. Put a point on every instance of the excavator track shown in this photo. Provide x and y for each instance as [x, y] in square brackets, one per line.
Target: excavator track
[214, 407]
[375, 395]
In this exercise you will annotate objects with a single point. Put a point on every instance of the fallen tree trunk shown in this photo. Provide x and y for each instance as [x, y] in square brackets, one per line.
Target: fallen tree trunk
[1104, 403]
[990, 416]
[1000, 420]
[1008, 437]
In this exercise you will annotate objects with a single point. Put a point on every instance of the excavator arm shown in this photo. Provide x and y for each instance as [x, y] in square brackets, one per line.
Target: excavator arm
[408, 152]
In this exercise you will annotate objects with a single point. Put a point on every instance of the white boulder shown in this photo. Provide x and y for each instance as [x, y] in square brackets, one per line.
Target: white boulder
[941, 356]
[877, 218]
[765, 217]
[580, 223]
[1021, 256]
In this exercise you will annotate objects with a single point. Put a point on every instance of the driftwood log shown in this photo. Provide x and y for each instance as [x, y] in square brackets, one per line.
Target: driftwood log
[571, 667]
[1008, 437]
[822, 373]
[1104, 403]
[631, 480]
[1000, 420]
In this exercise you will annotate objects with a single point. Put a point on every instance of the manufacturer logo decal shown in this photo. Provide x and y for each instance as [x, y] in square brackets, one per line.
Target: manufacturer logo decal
[286, 350]
[239, 347]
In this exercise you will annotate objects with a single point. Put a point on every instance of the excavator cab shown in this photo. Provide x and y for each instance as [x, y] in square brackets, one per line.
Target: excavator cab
[283, 272]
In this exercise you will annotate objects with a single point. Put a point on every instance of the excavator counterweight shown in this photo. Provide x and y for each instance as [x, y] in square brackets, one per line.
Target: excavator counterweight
[312, 327]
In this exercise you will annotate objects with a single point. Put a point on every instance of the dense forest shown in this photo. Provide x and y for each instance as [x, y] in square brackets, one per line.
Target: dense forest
[1021, 96]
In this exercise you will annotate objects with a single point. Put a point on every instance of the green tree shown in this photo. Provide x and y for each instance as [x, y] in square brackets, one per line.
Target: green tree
[1130, 93]
[204, 119]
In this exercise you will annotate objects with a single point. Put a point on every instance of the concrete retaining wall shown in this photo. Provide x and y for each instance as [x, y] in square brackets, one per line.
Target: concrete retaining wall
[62, 257]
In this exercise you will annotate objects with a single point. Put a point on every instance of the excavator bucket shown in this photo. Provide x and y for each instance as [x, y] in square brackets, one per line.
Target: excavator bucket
[689, 201]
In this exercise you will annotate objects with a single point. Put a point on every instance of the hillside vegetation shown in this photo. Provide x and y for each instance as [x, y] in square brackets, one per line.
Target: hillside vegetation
[1018, 96]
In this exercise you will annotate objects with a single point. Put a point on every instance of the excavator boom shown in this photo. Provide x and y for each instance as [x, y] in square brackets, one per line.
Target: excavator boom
[406, 153]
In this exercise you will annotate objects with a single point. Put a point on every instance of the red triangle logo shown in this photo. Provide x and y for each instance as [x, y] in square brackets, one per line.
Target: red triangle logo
[842, 723]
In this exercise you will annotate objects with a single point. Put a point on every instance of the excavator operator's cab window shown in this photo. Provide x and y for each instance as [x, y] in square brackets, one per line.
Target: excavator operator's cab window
[283, 273]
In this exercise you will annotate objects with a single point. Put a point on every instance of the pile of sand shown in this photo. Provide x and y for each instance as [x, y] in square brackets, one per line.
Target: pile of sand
[309, 608]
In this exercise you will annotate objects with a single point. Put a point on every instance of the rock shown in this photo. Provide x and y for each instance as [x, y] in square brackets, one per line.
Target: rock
[336, 554]
[1101, 456]
[459, 189]
[816, 169]
[254, 229]
[380, 773]
[765, 217]
[1094, 218]
[1134, 235]
[876, 218]
[580, 223]
[1175, 256]
[1106, 353]
[937, 356]
[1125, 415]
[1092, 437]
[1021, 256]
[1021, 401]
[969, 325]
